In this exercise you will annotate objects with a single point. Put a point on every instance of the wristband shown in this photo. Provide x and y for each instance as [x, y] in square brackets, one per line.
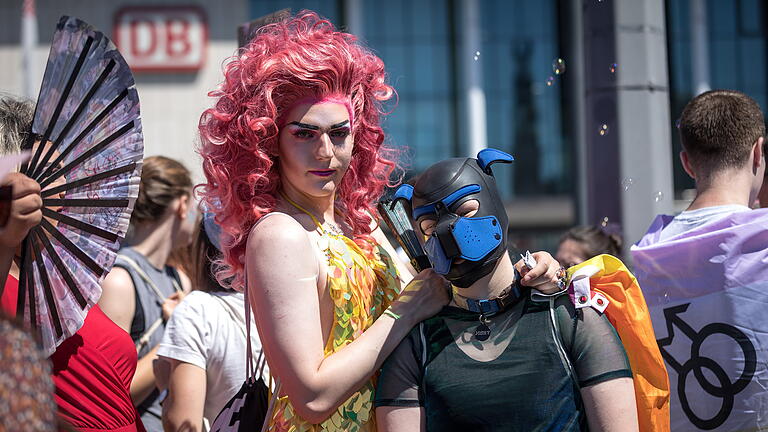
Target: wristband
[389, 312]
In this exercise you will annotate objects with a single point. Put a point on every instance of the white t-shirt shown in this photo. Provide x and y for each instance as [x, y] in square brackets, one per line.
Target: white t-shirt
[691, 219]
[208, 331]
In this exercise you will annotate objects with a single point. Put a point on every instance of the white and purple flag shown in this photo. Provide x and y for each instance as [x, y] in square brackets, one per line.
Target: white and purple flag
[707, 291]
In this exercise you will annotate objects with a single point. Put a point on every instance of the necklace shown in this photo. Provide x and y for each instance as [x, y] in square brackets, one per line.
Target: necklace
[332, 228]
[324, 228]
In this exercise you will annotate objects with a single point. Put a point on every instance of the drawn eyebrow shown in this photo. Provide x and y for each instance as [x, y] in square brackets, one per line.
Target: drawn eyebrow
[338, 125]
[304, 125]
[314, 127]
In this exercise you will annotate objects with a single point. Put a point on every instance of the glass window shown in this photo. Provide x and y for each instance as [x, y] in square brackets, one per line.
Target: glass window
[330, 9]
[413, 40]
[737, 52]
[520, 43]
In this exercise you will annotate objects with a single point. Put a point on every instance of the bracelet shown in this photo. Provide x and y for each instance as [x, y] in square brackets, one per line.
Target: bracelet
[562, 278]
[389, 312]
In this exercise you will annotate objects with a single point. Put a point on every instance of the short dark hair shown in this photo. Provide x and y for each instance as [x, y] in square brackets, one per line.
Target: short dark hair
[718, 129]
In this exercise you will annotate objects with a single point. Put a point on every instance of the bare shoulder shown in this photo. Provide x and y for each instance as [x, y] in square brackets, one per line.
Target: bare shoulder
[277, 228]
[118, 281]
[280, 239]
[118, 297]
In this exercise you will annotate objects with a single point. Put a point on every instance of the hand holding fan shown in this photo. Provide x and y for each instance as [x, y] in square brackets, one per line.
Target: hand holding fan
[87, 147]
[8, 164]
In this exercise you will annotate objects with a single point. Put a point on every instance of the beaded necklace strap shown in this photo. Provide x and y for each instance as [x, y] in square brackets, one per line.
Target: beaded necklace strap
[314, 219]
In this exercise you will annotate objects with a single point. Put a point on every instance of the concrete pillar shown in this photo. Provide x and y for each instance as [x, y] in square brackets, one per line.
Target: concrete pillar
[571, 16]
[353, 17]
[644, 129]
[599, 168]
[29, 73]
[699, 46]
[625, 164]
[471, 75]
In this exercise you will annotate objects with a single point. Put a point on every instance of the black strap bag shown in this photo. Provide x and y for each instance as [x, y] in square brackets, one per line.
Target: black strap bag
[251, 406]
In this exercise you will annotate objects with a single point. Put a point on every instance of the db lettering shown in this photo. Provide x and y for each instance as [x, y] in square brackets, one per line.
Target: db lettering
[171, 35]
[162, 38]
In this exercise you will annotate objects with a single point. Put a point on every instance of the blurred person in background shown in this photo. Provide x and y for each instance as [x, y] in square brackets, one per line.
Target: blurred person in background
[91, 370]
[584, 242]
[182, 259]
[141, 291]
[204, 342]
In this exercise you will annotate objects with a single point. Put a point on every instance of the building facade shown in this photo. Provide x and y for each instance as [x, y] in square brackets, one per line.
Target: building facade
[559, 93]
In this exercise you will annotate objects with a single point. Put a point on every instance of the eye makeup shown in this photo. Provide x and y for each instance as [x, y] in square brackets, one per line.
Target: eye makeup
[318, 128]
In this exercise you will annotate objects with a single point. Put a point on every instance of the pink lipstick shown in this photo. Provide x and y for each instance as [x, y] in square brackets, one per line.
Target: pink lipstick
[322, 173]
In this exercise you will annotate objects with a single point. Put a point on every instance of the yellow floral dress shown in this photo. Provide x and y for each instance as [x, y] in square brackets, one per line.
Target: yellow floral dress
[362, 281]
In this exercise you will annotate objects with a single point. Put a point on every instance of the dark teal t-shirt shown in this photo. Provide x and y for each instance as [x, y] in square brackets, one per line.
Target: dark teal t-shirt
[517, 380]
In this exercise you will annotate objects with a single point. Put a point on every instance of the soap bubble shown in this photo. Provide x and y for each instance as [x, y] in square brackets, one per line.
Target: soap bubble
[627, 183]
[550, 81]
[558, 66]
[658, 196]
[477, 55]
[604, 222]
[613, 67]
[677, 123]
[603, 130]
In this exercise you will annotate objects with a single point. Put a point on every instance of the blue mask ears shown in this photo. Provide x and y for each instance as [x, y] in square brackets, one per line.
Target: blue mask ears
[405, 191]
[489, 156]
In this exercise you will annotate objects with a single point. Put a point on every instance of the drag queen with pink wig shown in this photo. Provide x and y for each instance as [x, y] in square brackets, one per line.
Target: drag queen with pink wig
[294, 159]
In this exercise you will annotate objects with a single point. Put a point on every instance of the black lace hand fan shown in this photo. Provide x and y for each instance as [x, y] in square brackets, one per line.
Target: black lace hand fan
[87, 149]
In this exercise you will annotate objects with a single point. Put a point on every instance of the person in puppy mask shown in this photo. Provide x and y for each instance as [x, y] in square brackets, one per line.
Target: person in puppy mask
[500, 356]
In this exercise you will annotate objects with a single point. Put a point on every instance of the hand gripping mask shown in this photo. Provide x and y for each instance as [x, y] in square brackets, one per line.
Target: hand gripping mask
[464, 249]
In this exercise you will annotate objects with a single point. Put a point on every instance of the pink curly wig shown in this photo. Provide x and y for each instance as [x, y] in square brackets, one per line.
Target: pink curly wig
[289, 61]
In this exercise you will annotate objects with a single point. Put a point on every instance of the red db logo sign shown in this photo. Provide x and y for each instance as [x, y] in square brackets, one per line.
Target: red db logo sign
[162, 38]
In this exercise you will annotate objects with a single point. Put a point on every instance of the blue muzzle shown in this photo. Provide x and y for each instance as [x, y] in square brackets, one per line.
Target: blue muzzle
[462, 237]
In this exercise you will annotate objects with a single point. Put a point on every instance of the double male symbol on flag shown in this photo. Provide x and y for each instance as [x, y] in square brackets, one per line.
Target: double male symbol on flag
[726, 390]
